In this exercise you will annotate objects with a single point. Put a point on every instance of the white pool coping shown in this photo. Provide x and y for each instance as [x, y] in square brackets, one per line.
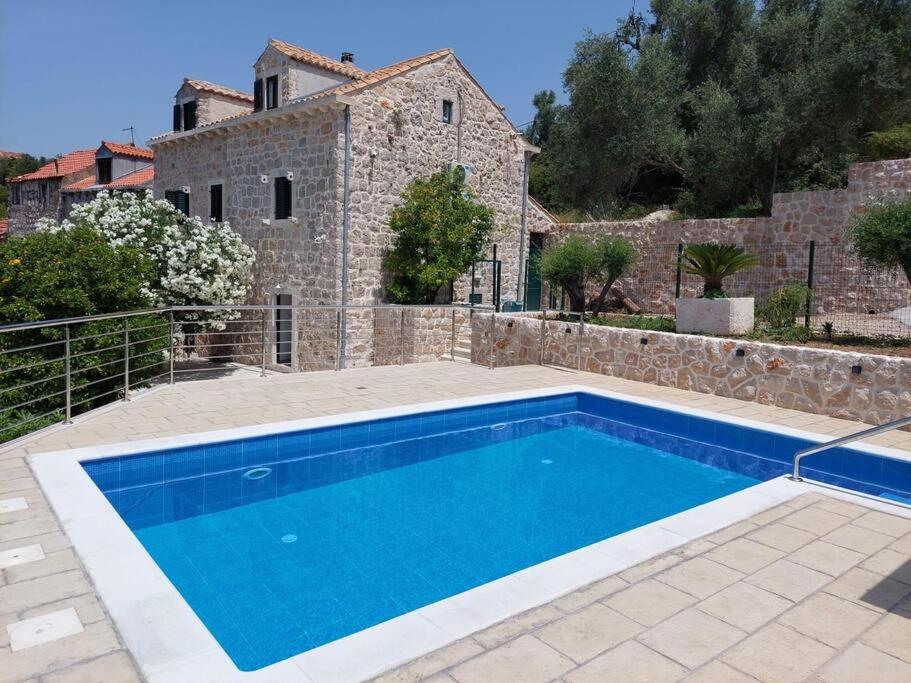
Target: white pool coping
[170, 643]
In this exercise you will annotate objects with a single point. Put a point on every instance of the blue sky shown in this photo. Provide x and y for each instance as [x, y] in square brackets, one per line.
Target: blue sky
[74, 73]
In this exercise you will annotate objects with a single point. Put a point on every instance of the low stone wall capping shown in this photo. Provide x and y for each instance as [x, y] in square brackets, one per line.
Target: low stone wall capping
[812, 380]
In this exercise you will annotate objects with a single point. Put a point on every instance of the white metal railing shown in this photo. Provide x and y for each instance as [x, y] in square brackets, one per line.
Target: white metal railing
[850, 438]
[51, 370]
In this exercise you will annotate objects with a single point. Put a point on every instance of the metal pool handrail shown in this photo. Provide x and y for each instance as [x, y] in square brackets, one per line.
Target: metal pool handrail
[819, 448]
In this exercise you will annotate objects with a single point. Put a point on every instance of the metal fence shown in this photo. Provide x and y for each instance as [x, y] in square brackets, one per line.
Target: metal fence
[53, 370]
[848, 297]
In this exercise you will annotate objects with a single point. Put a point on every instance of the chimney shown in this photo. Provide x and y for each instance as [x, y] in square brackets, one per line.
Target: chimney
[347, 58]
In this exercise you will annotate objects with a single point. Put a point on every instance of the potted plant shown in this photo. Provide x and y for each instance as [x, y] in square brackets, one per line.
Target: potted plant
[714, 312]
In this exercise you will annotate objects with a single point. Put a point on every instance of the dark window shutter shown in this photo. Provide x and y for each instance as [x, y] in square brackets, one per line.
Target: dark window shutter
[272, 92]
[189, 115]
[105, 170]
[177, 117]
[282, 198]
[215, 206]
[171, 196]
[183, 203]
[258, 94]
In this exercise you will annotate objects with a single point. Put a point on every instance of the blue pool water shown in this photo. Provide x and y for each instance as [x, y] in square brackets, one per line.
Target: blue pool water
[286, 542]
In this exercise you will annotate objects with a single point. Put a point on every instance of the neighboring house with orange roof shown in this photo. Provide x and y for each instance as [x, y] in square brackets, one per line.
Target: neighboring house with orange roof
[4, 228]
[76, 177]
[309, 172]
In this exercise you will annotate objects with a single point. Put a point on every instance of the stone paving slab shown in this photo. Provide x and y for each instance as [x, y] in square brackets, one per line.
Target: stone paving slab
[58, 581]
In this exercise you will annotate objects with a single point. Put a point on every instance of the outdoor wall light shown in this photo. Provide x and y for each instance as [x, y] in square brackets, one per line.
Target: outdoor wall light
[509, 324]
[568, 330]
[740, 353]
[643, 340]
[856, 369]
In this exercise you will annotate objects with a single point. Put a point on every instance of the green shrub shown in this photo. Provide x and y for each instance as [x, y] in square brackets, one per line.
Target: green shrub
[61, 275]
[783, 307]
[894, 143]
[882, 234]
[713, 263]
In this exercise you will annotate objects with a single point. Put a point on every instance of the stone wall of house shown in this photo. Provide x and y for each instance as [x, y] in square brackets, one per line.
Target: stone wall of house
[781, 241]
[35, 203]
[807, 379]
[398, 134]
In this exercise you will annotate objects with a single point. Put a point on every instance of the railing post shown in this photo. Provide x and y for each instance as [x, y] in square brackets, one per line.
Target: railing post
[543, 334]
[126, 359]
[402, 337]
[809, 302]
[338, 338]
[452, 341]
[263, 345]
[67, 374]
[493, 317]
[171, 349]
[581, 340]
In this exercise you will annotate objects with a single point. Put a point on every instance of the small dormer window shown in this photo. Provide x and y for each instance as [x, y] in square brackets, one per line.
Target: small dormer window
[258, 95]
[447, 111]
[105, 170]
[178, 117]
[272, 92]
[189, 115]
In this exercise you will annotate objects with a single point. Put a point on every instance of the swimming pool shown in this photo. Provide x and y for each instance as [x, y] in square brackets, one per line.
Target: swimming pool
[281, 543]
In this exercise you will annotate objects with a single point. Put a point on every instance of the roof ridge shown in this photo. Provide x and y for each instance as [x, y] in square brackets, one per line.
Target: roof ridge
[218, 88]
[302, 54]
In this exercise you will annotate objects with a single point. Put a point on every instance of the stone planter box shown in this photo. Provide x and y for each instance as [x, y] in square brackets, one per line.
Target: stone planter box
[715, 316]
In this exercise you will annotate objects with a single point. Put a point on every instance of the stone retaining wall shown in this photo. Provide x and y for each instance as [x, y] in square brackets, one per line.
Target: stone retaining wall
[812, 380]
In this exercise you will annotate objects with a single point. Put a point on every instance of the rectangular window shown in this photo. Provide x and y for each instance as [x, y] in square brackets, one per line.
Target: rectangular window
[15, 197]
[215, 205]
[447, 111]
[180, 200]
[282, 198]
[43, 193]
[105, 170]
[272, 92]
[258, 95]
[177, 118]
[189, 115]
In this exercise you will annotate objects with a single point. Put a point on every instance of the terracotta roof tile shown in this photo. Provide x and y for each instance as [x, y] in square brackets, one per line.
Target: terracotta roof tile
[141, 178]
[377, 75]
[129, 150]
[299, 54]
[4, 227]
[63, 165]
[219, 89]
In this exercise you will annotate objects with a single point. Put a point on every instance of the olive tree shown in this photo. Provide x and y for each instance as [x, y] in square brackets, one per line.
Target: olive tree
[882, 233]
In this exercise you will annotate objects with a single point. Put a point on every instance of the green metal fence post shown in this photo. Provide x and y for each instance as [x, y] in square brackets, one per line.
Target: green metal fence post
[810, 264]
[679, 271]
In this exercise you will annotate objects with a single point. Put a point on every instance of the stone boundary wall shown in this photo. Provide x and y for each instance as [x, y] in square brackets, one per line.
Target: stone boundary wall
[797, 218]
[801, 378]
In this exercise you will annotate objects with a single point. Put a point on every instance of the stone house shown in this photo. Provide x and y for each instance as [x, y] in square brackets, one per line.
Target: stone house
[309, 167]
[76, 177]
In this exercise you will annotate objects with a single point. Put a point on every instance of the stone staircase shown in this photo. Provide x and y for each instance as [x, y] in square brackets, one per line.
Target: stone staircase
[462, 353]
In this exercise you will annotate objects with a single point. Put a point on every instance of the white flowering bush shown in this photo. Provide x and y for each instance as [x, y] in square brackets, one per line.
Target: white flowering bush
[197, 262]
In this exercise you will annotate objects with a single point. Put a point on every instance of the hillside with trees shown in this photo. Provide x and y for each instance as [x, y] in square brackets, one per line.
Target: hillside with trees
[711, 106]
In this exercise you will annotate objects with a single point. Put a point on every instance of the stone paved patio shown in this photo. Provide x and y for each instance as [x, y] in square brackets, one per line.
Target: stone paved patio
[742, 601]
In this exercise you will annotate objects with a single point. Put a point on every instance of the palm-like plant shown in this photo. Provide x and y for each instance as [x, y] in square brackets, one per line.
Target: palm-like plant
[713, 263]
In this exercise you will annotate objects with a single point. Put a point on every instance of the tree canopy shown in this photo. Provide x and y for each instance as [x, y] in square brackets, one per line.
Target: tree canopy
[714, 105]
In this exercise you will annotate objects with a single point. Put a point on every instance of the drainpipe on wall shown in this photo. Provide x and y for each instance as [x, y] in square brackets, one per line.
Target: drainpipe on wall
[345, 225]
[520, 295]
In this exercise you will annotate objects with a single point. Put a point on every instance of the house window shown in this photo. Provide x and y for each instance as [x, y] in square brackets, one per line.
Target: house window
[258, 95]
[215, 204]
[177, 118]
[189, 115]
[180, 200]
[272, 92]
[105, 170]
[42, 188]
[447, 111]
[282, 198]
[15, 197]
